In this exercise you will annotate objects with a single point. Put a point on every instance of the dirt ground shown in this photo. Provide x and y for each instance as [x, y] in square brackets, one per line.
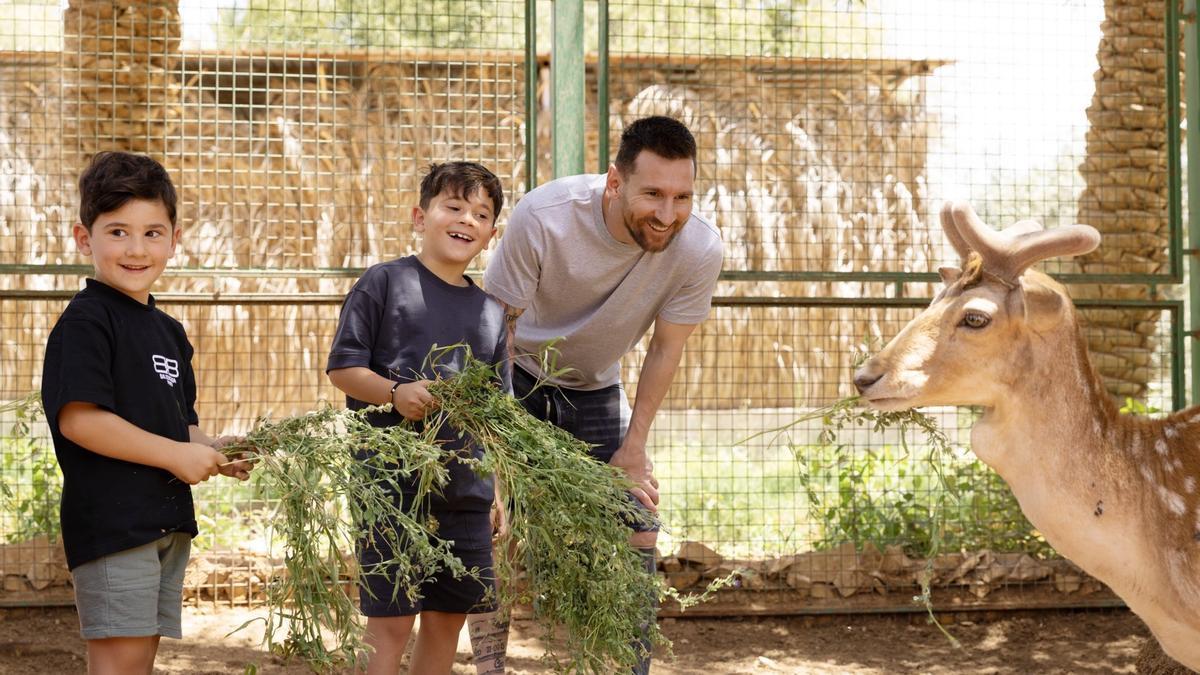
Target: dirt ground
[47, 641]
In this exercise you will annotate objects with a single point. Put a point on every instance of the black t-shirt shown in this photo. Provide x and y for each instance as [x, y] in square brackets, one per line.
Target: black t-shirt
[135, 361]
[390, 320]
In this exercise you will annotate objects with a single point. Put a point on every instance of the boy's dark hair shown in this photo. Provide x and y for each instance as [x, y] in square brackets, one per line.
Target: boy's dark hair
[461, 179]
[113, 178]
[664, 136]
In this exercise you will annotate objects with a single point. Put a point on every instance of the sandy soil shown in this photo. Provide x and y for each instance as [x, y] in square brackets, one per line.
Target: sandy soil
[47, 640]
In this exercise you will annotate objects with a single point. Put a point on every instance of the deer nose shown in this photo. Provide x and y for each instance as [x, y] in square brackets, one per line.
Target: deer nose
[863, 380]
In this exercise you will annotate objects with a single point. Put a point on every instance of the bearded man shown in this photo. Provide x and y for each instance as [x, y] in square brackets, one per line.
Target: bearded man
[591, 262]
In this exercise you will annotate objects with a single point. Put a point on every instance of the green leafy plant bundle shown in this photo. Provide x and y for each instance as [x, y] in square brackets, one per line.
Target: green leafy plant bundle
[330, 495]
[568, 528]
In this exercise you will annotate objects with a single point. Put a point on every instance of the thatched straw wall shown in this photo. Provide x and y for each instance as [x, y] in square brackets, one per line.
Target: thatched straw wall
[301, 163]
[316, 168]
[306, 161]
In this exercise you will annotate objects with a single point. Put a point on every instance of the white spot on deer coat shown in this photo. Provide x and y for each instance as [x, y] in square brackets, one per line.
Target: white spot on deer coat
[1172, 500]
[1170, 432]
[1160, 446]
[1189, 485]
[1146, 473]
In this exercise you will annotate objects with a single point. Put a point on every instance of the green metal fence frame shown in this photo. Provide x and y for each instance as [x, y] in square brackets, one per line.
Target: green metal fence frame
[1174, 308]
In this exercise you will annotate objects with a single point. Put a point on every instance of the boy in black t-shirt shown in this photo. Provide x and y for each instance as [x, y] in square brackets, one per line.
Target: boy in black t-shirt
[390, 320]
[119, 395]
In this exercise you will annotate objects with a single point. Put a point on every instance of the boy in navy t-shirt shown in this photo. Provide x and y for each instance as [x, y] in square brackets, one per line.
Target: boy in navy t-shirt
[119, 396]
[389, 322]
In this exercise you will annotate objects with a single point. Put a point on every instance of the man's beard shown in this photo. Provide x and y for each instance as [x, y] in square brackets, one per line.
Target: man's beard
[640, 236]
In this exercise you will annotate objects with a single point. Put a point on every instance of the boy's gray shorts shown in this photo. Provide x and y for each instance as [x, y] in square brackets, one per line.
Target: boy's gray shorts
[137, 592]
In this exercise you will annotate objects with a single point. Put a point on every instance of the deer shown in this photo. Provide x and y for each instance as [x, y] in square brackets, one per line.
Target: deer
[1117, 494]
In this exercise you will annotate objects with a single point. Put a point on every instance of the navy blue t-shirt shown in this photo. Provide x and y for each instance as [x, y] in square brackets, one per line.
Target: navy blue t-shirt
[136, 362]
[390, 320]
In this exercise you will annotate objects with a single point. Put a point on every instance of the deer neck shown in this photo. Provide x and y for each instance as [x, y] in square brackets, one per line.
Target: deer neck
[1054, 419]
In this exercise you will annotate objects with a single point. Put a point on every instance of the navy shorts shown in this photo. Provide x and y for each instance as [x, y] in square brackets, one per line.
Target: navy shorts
[598, 417]
[471, 534]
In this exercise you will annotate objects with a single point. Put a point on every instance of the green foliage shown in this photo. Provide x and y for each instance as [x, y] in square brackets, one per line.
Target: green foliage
[567, 528]
[885, 496]
[926, 496]
[375, 23]
[32, 486]
[231, 515]
[326, 499]
[713, 494]
[709, 27]
[1134, 406]
[718, 27]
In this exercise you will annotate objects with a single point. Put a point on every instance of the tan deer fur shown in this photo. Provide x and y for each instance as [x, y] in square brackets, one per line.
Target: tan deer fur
[1117, 494]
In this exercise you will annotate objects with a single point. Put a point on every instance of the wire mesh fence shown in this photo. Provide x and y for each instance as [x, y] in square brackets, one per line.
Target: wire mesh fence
[829, 133]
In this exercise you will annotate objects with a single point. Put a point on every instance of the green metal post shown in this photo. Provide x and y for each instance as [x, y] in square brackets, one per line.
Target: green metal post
[1178, 384]
[602, 86]
[1192, 68]
[1174, 180]
[531, 95]
[567, 91]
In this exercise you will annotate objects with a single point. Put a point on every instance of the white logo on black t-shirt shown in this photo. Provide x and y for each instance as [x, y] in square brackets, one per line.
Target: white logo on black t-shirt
[167, 369]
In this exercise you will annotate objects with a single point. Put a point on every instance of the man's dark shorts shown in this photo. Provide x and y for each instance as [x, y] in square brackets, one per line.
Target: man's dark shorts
[599, 417]
[471, 533]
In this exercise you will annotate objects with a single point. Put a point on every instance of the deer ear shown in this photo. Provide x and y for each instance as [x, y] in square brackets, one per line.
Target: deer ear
[1042, 305]
[949, 274]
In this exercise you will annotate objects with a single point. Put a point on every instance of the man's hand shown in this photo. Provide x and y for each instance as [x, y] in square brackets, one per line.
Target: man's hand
[238, 464]
[637, 465]
[413, 400]
[195, 463]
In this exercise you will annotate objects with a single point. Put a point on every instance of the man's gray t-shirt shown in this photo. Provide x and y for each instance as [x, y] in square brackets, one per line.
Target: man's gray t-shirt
[558, 261]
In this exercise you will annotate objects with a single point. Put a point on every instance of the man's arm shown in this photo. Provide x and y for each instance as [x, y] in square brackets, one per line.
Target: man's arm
[108, 434]
[658, 370]
[511, 314]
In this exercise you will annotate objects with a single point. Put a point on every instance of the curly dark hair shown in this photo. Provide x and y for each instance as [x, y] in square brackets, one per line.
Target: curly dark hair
[113, 178]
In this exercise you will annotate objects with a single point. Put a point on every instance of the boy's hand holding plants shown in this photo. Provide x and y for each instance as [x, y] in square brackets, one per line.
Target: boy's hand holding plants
[196, 462]
[413, 400]
[237, 464]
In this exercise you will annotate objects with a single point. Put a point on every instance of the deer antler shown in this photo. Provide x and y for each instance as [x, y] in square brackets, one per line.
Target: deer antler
[1009, 253]
[951, 229]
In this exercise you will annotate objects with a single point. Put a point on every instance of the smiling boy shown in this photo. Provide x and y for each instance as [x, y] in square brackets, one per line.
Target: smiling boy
[389, 322]
[119, 396]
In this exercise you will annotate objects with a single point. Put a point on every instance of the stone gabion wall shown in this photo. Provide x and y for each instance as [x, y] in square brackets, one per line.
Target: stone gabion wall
[1126, 194]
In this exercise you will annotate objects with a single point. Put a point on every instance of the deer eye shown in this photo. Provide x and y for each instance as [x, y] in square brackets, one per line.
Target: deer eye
[975, 320]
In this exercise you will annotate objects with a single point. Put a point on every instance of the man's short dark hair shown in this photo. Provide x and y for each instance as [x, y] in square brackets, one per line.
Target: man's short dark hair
[462, 180]
[664, 136]
[113, 178]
